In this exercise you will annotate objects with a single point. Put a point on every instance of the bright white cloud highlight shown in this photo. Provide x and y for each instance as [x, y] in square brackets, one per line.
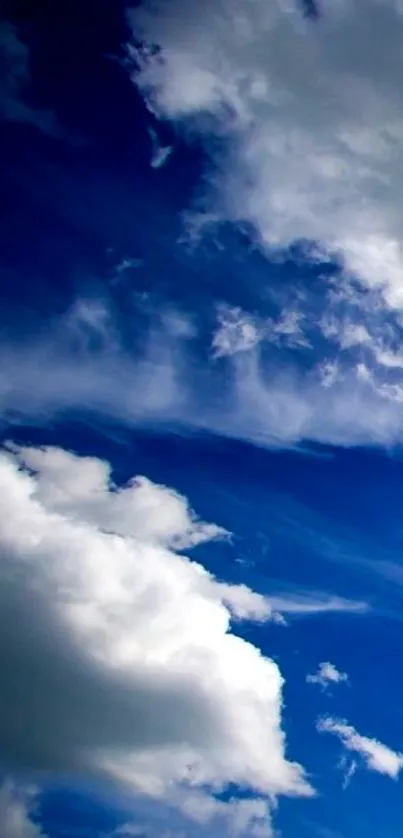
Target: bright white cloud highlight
[311, 116]
[116, 651]
[326, 675]
[375, 756]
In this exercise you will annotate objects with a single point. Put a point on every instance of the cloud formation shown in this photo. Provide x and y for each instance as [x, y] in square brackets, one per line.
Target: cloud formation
[374, 755]
[310, 145]
[117, 652]
[236, 332]
[16, 809]
[326, 675]
[80, 363]
[310, 119]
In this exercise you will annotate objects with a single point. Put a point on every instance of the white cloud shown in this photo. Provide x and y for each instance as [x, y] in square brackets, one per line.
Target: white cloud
[311, 119]
[16, 809]
[80, 487]
[236, 332]
[234, 817]
[116, 651]
[251, 815]
[354, 334]
[315, 603]
[311, 116]
[327, 674]
[388, 358]
[80, 365]
[287, 330]
[349, 768]
[329, 373]
[240, 331]
[375, 756]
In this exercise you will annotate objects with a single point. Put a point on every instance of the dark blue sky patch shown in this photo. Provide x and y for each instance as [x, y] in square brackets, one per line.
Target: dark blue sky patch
[311, 9]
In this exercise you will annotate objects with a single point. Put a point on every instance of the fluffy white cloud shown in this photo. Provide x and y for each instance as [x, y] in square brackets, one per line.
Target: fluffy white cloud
[375, 756]
[16, 807]
[310, 113]
[80, 488]
[327, 674]
[116, 651]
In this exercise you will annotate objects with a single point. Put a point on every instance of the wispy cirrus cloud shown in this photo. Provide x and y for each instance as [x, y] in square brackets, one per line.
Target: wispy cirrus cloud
[81, 363]
[373, 754]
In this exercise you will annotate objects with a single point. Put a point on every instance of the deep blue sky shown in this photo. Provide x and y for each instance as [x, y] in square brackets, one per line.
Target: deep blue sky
[90, 229]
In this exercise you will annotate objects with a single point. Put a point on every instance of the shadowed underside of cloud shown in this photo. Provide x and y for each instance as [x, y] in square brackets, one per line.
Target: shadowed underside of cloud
[121, 660]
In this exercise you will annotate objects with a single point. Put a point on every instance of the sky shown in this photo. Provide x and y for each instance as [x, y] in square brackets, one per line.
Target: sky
[201, 419]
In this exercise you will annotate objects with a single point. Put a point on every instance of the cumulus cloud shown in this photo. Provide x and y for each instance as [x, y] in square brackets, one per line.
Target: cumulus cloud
[326, 675]
[116, 651]
[309, 115]
[16, 810]
[80, 487]
[374, 755]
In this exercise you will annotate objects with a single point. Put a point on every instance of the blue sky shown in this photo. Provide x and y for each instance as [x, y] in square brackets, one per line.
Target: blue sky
[201, 419]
